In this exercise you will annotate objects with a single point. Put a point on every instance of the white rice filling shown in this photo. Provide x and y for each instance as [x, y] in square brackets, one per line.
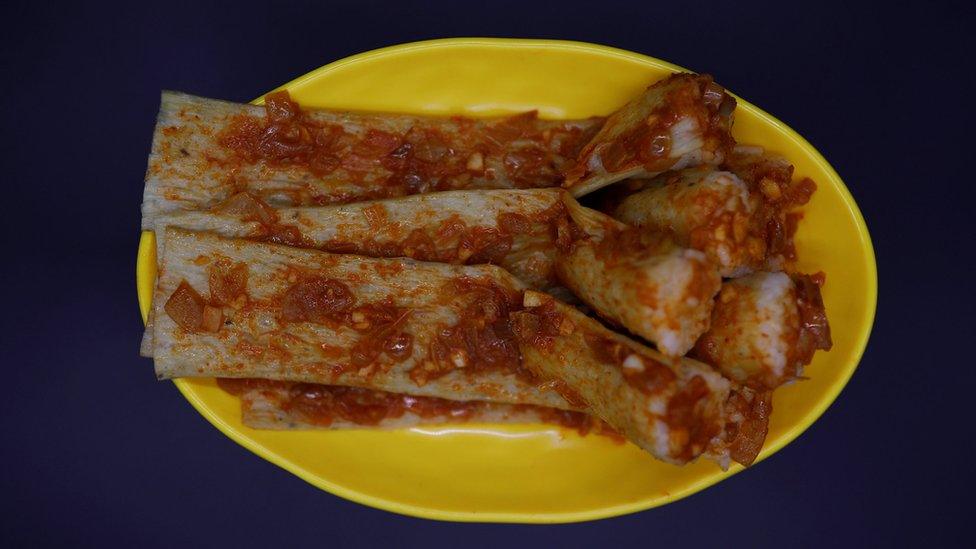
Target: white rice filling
[772, 298]
[685, 139]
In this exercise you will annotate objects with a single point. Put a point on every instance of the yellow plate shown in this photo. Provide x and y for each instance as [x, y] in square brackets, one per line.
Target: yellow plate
[537, 473]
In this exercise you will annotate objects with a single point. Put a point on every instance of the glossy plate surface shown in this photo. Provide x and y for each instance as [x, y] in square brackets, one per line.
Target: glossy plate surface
[541, 473]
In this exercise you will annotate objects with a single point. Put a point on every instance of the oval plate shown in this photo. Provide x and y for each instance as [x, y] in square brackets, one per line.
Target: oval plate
[541, 473]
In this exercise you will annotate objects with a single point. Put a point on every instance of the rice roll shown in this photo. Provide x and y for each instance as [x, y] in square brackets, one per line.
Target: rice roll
[641, 281]
[676, 409]
[703, 209]
[290, 406]
[765, 328]
[205, 150]
[242, 309]
[679, 122]
[510, 228]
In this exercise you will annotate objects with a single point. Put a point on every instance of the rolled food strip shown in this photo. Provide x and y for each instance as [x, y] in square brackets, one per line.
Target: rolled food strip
[708, 210]
[641, 281]
[290, 406]
[681, 121]
[765, 328]
[205, 150]
[770, 181]
[236, 308]
[676, 409]
[511, 227]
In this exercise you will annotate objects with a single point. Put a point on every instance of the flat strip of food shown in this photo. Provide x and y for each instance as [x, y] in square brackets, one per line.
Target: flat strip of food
[770, 178]
[765, 328]
[237, 308]
[512, 228]
[205, 150]
[284, 405]
[679, 122]
[676, 409]
[641, 281]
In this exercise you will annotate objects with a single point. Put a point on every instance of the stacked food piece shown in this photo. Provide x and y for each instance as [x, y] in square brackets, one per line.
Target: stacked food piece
[349, 270]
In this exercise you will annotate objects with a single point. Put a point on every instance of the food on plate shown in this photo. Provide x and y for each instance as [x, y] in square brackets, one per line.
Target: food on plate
[285, 405]
[770, 177]
[509, 228]
[742, 224]
[340, 270]
[236, 308]
[679, 122]
[704, 209]
[765, 328]
[205, 150]
[642, 281]
[674, 409]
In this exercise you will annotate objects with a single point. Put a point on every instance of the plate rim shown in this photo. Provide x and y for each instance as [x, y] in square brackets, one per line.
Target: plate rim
[145, 261]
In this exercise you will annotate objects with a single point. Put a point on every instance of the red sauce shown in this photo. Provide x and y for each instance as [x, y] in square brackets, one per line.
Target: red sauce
[569, 394]
[423, 162]
[365, 155]
[482, 337]
[376, 216]
[285, 137]
[532, 168]
[647, 143]
[419, 245]
[382, 340]
[429, 156]
[771, 180]
[514, 223]
[707, 348]
[745, 438]
[746, 238]
[449, 228]
[316, 299]
[623, 245]
[383, 334]
[185, 306]
[814, 328]
[653, 379]
[502, 133]
[239, 386]
[540, 326]
[450, 241]
[484, 245]
[324, 404]
[688, 421]
[566, 232]
[582, 423]
[286, 235]
[228, 281]
[250, 208]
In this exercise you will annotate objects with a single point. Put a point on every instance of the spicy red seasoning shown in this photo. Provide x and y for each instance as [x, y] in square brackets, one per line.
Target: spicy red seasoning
[691, 426]
[482, 337]
[193, 313]
[428, 155]
[324, 404]
[648, 144]
[326, 300]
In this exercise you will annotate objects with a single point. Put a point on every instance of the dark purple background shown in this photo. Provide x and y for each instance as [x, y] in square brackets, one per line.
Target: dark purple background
[95, 451]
